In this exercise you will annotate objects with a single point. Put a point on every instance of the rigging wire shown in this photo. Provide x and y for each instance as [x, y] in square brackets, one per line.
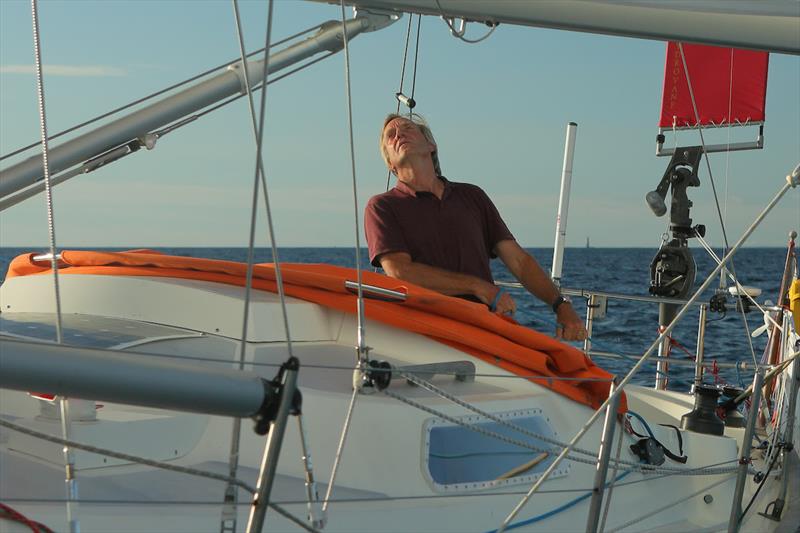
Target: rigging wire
[416, 58]
[155, 94]
[402, 80]
[405, 58]
[713, 186]
[365, 499]
[728, 144]
[83, 167]
[703, 142]
[69, 457]
[362, 351]
[124, 456]
[259, 179]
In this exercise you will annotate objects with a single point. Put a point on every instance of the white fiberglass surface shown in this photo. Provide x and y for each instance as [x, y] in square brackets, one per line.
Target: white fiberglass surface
[85, 330]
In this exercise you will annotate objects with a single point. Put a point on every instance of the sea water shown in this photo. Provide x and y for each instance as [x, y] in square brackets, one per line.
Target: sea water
[629, 327]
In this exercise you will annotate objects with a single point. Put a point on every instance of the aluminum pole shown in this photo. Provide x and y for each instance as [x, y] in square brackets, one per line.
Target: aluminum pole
[129, 378]
[316, 515]
[179, 105]
[701, 340]
[603, 456]
[563, 203]
[744, 454]
[662, 364]
[791, 181]
[591, 305]
[269, 462]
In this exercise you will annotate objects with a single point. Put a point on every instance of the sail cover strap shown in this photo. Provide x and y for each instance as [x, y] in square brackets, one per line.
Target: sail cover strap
[730, 86]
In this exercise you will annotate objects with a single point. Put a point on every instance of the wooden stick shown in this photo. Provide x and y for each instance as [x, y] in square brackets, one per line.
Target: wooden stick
[523, 467]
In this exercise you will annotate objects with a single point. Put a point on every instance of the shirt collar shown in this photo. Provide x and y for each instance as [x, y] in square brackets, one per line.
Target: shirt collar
[405, 189]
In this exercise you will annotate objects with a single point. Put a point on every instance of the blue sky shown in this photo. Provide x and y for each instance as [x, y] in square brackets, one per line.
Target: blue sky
[498, 109]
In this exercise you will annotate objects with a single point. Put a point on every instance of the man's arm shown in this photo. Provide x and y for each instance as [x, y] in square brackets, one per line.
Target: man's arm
[537, 282]
[399, 265]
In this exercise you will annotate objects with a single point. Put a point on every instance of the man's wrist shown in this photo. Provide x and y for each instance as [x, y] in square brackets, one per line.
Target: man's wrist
[561, 300]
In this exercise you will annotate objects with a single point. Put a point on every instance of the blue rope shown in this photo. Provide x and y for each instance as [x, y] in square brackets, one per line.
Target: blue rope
[564, 507]
[642, 420]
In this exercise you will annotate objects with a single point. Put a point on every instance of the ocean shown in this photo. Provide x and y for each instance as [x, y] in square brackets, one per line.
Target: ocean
[628, 329]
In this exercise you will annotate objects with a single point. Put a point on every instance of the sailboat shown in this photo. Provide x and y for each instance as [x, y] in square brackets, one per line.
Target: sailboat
[377, 405]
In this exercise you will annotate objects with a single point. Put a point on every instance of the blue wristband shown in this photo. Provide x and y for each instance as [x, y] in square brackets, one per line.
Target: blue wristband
[493, 305]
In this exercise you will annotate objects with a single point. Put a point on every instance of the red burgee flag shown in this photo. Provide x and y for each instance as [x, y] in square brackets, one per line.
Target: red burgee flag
[729, 85]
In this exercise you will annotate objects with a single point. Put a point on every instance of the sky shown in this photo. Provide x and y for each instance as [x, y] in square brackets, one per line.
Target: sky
[499, 110]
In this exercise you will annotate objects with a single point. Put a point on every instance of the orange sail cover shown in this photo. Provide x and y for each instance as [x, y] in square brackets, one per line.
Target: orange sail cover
[464, 325]
[729, 85]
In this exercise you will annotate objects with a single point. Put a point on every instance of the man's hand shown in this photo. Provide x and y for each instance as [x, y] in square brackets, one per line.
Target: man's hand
[569, 325]
[504, 304]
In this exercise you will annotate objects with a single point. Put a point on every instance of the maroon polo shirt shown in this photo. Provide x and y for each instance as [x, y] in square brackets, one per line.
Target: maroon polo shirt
[456, 233]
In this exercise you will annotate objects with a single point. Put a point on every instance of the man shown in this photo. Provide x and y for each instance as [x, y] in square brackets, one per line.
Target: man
[441, 235]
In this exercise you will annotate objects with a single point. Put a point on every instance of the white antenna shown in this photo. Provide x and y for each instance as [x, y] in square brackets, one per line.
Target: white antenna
[563, 204]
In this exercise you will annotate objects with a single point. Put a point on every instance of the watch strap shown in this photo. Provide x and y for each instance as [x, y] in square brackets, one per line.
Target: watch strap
[560, 300]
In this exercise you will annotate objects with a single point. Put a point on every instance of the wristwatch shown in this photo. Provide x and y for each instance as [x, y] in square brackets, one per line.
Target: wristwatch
[560, 300]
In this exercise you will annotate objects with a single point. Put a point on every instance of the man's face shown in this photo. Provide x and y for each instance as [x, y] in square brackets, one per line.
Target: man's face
[402, 138]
